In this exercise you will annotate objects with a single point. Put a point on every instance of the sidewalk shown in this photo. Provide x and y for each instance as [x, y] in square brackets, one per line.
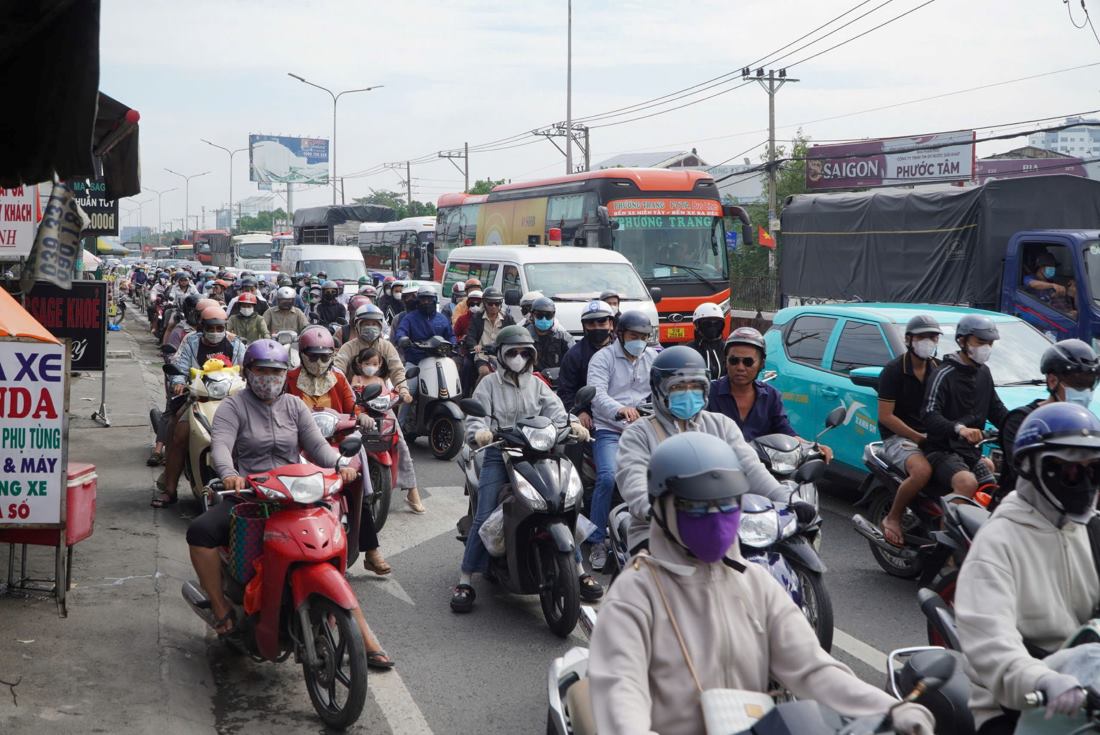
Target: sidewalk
[129, 658]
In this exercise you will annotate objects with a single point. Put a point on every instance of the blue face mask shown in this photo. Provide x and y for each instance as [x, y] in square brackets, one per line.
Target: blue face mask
[543, 324]
[1048, 271]
[635, 347]
[686, 404]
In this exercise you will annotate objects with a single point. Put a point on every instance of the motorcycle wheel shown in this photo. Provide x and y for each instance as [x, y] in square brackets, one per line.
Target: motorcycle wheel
[561, 602]
[817, 606]
[380, 481]
[445, 437]
[896, 566]
[945, 588]
[342, 664]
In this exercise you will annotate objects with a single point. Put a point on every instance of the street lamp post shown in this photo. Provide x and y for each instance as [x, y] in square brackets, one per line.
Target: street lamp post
[231, 154]
[186, 193]
[160, 219]
[335, 97]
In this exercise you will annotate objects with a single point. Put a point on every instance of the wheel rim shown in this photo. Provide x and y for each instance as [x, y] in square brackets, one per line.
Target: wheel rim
[809, 600]
[331, 677]
[557, 594]
[375, 481]
[443, 435]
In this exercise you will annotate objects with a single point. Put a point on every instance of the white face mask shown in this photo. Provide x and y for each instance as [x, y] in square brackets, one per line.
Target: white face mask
[1080, 396]
[980, 354]
[247, 311]
[924, 348]
[515, 363]
[370, 370]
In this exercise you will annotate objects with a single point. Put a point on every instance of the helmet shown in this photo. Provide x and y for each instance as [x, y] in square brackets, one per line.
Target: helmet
[315, 340]
[695, 466]
[1069, 356]
[285, 292]
[355, 302]
[213, 315]
[191, 301]
[285, 280]
[493, 294]
[1054, 434]
[747, 336]
[634, 321]
[527, 299]
[709, 321]
[363, 280]
[248, 282]
[247, 298]
[595, 310]
[707, 311]
[247, 274]
[267, 353]
[369, 312]
[922, 324]
[513, 335]
[425, 292]
[473, 283]
[322, 275]
[330, 286]
[978, 325]
[202, 304]
[369, 291]
[459, 287]
[544, 305]
[605, 295]
[388, 279]
[675, 366]
[475, 294]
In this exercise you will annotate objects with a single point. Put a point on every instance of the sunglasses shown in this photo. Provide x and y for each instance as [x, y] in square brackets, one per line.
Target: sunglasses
[1071, 473]
[746, 361]
[700, 508]
[314, 357]
[525, 354]
[543, 315]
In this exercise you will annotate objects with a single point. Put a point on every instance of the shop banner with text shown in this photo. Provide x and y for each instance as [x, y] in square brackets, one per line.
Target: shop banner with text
[102, 212]
[79, 314]
[57, 244]
[17, 221]
[925, 159]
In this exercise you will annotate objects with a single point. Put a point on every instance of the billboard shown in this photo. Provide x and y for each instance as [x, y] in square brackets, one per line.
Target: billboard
[18, 221]
[1015, 168]
[924, 159]
[102, 212]
[283, 160]
[78, 314]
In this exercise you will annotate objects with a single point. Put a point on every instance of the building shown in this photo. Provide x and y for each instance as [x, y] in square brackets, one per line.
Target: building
[1080, 140]
[658, 159]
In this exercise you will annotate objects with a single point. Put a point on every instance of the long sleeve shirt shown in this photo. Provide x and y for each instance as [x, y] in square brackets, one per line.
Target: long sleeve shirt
[508, 399]
[959, 393]
[619, 382]
[767, 415]
[574, 371]
[420, 328]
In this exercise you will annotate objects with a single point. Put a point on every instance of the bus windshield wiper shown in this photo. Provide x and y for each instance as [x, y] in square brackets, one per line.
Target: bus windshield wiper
[693, 271]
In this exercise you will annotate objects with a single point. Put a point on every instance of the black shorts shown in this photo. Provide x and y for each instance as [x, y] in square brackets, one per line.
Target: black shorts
[211, 529]
[945, 465]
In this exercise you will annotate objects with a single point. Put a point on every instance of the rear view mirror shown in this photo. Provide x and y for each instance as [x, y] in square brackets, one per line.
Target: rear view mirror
[655, 294]
[472, 407]
[351, 446]
[836, 417]
[412, 372]
[371, 392]
[512, 297]
[739, 213]
[404, 342]
[811, 471]
[866, 377]
[605, 219]
[171, 369]
[583, 398]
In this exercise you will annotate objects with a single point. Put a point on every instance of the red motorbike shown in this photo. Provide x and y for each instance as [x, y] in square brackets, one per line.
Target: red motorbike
[380, 445]
[303, 603]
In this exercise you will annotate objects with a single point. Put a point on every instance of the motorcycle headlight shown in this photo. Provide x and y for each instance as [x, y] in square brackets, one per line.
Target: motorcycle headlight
[218, 389]
[528, 492]
[759, 530]
[381, 404]
[326, 423]
[784, 462]
[308, 489]
[541, 440]
[572, 482]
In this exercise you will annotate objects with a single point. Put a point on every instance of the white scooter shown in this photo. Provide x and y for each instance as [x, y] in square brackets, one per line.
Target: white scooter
[436, 388]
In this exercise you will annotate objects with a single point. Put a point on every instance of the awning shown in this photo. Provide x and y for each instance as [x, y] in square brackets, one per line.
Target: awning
[16, 322]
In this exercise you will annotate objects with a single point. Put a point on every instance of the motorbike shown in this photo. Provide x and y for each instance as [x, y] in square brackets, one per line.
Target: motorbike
[289, 338]
[305, 605]
[380, 446]
[436, 390]
[539, 503]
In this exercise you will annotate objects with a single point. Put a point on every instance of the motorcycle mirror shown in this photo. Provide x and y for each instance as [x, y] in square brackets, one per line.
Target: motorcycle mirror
[351, 446]
[512, 297]
[472, 407]
[371, 392]
[937, 672]
[412, 372]
[584, 397]
[404, 342]
[836, 417]
[812, 471]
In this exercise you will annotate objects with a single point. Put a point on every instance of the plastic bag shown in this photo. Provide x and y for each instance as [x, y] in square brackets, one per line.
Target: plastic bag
[492, 532]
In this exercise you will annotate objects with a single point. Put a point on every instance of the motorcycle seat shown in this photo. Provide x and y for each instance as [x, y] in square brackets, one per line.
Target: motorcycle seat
[970, 518]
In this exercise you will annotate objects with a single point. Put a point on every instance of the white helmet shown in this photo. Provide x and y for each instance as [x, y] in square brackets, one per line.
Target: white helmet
[285, 292]
[707, 311]
[529, 298]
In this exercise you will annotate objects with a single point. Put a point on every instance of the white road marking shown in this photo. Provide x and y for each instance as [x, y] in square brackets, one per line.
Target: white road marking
[397, 704]
[385, 584]
[857, 649]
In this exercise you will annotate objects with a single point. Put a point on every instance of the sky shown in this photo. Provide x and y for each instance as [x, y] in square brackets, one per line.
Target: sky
[467, 71]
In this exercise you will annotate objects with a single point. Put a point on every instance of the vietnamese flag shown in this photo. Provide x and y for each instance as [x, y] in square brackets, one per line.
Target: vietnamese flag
[765, 240]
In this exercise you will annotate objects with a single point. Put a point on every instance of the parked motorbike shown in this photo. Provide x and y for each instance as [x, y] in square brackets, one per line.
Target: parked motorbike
[436, 389]
[540, 503]
[380, 446]
[306, 604]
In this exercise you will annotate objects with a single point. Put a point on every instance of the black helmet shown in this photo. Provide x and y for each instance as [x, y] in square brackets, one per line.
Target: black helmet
[492, 294]
[189, 314]
[922, 324]
[676, 365]
[511, 336]
[285, 280]
[978, 325]
[747, 336]
[609, 294]
[1046, 436]
[544, 304]
[695, 466]
[1069, 356]
[634, 321]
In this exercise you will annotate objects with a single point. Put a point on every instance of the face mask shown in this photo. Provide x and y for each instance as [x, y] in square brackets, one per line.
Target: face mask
[597, 337]
[925, 349]
[1080, 396]
[329, 297]
[516, 363]
[212, 338]
[369, 370]
[1076, 494]
[635, 347]
[708, 537]
[1048, 271]
[285, 305]
[710, 331]
[543, 324]
[317, 367]
[685, 404]
[247, 311]
[370, 334]
[426, 309]
[475, 309]
[980, 354]
[266, 387]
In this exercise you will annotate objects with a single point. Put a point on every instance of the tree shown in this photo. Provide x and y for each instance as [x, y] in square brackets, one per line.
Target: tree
[484, 186]
[397, 202]
[262, 222]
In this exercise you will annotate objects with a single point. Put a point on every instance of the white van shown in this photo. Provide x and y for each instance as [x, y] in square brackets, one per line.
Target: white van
[342, 263]
[570, 276]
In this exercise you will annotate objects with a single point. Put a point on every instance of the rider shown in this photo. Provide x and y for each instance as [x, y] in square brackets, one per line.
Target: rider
[709, 324]
[620, 375]
[472, 284]
[473, 306]
[191, 309]
[247, 285]
[458, 293]
[552, 341]
[526, 302]
[408, 306]
[246, 323]
[959, 401]
[183, 287]
[611, 298]
[508, 395]
[596, 322]
[485, 327]
[330, 310]
[900, 394]
[368, 325]
[392, 305]
[1029, 580]
[421, 324]
[347, 331]
[694, 616]
[256, 430]
[286, 316]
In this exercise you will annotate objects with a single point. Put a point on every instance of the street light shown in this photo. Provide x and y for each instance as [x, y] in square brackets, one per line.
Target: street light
[160, 220]
[231, 154]
[186, 193]
[335, 96]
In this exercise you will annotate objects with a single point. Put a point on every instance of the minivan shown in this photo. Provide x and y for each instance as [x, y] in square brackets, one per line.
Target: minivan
[570, 276]
[341, 263]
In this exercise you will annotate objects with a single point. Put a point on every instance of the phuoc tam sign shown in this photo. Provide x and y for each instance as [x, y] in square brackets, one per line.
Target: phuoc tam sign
[942, 157]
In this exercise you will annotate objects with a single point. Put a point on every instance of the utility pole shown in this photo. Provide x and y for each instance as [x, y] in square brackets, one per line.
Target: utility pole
[770, 85]
[464, 154]
[186, 194]
[160, 219]
[569, 89]
[408, 184]
[569, 132]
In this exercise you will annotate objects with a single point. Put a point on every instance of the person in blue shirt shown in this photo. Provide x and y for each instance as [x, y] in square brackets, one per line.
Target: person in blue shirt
[756, 407]
[1043, 283]
[423, 324]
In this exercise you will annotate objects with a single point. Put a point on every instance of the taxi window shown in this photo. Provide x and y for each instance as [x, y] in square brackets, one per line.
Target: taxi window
[807, 337]
[860, 345]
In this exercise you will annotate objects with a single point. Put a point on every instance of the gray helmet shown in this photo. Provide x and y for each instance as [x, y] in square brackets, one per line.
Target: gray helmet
[676, 365]
[634, 321]
[922, 324]
[747, 336]
[695, 466]
[512, 336]
[978, 325]
[544, 304]
[492, 294]
[426, 292]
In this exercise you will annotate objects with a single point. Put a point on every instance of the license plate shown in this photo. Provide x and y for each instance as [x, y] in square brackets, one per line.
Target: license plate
[676, 333]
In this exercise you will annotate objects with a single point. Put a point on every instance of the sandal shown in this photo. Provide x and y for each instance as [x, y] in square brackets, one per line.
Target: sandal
[155, 459]
[416, 506]
[229, 619]
[462, 601]
[379, 660]
[591, 589]
[163, 500]
[373, 562]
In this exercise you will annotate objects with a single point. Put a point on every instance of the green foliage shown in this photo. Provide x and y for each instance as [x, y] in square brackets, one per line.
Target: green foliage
[397, 202]
[262, 222]
[484, 186]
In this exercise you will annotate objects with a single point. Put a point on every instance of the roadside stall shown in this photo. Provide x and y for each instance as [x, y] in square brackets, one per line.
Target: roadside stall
[44, 499]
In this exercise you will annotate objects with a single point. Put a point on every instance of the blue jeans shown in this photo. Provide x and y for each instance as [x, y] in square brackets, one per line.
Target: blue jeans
[489, 482]
[606, 454]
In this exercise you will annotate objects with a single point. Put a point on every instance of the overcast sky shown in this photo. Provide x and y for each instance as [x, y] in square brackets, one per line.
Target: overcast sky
[482, 71]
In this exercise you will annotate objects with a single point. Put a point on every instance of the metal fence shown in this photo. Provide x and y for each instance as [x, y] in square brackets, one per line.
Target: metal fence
[754, 293]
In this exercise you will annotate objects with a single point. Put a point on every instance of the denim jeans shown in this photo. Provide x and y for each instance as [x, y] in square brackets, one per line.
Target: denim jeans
[489, 483]
[606, 454]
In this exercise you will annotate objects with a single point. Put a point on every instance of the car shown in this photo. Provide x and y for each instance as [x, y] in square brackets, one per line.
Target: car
[814, 349]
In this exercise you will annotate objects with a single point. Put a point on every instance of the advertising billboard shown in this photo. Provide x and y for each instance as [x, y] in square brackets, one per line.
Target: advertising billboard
[925, 159]
[79, 314]
[102, 212]
[1015, 168]
[283, 160]
[18, 220]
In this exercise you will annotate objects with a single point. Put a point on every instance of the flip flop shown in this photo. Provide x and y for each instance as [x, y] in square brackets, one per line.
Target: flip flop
[379, 660]
[886, 535]
[163, 500]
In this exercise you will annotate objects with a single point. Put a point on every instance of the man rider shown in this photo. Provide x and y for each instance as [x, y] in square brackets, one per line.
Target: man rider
[246, 323]
[472, 304]
[368, 327]
[472, 284]
[1029, 580]
[959, 401]
[408, 306]
[330, 310]
[509, 394]
[247, 285]
[484, 328]
[525, 304]
[391, 302]
[458, 292]
[693, 615]
[285, 316]
[183, 288]
[611, 298]
[596, 323]
[901, 388]
[709, 323]
[552, 341]
[421, 324]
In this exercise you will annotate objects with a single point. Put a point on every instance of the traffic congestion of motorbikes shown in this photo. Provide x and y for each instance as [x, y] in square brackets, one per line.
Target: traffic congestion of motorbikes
[654, 498]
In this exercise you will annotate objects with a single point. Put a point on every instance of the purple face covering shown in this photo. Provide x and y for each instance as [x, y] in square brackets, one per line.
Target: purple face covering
[709, 537]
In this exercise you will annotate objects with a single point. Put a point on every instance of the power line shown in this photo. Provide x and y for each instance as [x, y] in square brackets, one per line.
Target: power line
[861, 35]
[750, 149]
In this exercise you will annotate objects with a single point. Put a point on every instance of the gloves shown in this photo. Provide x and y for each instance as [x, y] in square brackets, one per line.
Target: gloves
[579, 432]
[366, 423]
[805, 512]
[483, 437]
[1063, 693]
[913, 719]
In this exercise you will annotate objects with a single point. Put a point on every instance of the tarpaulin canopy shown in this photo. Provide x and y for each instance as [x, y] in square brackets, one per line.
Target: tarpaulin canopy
[16, 322]
[339, 214]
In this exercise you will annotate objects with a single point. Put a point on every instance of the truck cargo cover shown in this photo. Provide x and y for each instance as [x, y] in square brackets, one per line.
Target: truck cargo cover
[339, 214]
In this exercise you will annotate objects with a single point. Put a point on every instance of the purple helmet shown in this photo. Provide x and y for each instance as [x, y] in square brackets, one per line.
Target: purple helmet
[267, 353]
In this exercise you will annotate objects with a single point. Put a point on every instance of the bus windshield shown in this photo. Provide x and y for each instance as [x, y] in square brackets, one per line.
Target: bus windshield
[255, 249]
[673, 240]
[559, 281]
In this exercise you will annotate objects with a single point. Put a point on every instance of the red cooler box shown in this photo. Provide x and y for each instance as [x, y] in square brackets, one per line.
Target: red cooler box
[80, 501]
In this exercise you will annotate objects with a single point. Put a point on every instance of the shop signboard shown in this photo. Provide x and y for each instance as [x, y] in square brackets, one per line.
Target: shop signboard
[102, 212]
[18, 221]
[925, 159]
[78, 314]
